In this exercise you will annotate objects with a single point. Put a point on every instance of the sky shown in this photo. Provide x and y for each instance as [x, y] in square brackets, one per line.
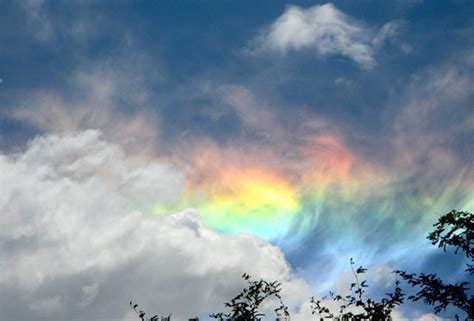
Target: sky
[156, 150]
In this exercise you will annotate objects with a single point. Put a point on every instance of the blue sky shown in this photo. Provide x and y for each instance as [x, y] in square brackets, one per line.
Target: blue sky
[360, 111]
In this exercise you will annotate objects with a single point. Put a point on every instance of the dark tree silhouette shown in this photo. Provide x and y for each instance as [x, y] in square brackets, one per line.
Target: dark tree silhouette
[141, 314]
[246, 305]
[356, 306]
[454, 229]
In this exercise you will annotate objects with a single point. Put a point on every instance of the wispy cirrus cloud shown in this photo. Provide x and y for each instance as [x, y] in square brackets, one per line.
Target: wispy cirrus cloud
[111, 95]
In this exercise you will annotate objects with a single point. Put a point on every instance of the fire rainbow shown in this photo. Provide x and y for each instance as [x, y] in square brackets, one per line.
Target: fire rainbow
[324, 184]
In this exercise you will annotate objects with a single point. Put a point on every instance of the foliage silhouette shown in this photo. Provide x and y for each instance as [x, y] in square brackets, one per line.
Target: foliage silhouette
[355, 306]
[454, 229]
[246, 305]
[243, 307]
[141, 314]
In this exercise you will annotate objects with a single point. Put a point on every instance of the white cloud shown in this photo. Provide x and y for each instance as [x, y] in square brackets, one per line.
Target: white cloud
[380, 278]
[430, 317]
[390, 32]
[398, 316]
[328, 31]
[77, 239]
[341, 81]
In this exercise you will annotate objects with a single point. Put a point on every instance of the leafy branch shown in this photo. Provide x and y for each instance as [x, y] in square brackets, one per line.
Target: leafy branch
[246, 305]
[356, 301]
[455, 229]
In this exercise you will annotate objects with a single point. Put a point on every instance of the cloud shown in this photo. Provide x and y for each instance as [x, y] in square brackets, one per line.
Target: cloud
[430, 136]
[111, 95]
[344, 82]
[47, 305]
[38, 20]
[78, 240]
[79, 27]
[390, 33]
[326, 30]
[380, 280]
[398, 316]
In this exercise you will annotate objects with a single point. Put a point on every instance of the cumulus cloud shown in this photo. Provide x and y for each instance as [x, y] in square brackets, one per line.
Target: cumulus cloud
[77, 239]
[326, 30]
